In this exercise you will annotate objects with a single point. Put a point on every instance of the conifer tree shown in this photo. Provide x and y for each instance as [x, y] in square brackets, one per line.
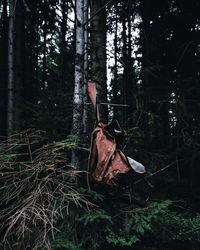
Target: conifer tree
[10, 106]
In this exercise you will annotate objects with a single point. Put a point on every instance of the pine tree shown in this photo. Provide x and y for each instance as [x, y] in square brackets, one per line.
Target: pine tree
[98, 52]
[3, 67]
[79, 77]
[10, 106]
[19, 48]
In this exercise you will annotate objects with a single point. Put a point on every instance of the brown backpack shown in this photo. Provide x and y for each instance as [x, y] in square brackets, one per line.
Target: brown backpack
[106, 161]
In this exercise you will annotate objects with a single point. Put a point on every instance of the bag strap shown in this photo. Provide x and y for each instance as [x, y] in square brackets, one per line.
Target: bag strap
[92, 92]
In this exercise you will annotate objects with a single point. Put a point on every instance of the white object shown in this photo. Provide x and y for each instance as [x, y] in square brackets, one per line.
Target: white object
[136, 166]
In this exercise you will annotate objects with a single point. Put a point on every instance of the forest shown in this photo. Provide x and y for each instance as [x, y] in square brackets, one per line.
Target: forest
[144, 58]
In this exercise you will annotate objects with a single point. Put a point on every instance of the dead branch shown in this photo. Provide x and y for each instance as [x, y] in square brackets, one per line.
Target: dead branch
[35, 188]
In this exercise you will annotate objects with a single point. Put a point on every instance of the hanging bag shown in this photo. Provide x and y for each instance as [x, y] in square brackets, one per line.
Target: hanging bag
[106, 161]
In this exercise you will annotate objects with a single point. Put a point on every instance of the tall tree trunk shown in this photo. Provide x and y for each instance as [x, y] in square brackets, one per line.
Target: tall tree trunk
[85, 80]
[130, 85]
[10, 68]
[125, 68]
[44, 47]
[3, 69]
[115, 99]
[19, 63]
[78, 85]
[98, 53]
[64, 6]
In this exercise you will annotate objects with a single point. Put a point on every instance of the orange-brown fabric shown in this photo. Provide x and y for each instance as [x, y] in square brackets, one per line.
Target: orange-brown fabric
[118, 166]
[103, 148]
[92, 92]
[106, 161]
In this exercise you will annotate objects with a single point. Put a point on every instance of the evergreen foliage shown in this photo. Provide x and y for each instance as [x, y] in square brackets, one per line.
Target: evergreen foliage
[159, 226]
[152, 56]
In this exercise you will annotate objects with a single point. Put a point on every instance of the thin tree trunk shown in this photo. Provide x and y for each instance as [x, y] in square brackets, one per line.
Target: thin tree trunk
[128, 75]
[85, 110]
[64, 7]
[44, 47]
[10, 68]
[3, 69]
[19, 63]
[98, 54]
[130, 85]
[125, 71]
[115, 66]
[78, 86]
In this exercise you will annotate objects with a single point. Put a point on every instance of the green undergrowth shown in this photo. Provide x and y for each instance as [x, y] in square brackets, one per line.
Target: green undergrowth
[42, 209]
[158, 226]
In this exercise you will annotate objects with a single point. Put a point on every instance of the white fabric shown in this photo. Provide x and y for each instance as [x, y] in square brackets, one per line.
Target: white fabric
[136, 166]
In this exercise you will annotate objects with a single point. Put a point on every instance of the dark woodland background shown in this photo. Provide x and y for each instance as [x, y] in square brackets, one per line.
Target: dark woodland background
[141, 53]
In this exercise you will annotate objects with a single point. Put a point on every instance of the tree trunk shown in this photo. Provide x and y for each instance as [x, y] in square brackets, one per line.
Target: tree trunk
[78, 85]
[130, 85]
[44, 66]
[3, 69]
[10, 68]
[115, 99]
[85, 80]
[98, 54]
[125, 69]
[64, 7]
[19, 63]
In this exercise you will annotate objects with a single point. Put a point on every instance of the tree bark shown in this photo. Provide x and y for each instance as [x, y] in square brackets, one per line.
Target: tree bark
[78, 85]
[125, 69]
[44, 66]
[19, 63]
[115, 99]
[3, 69]
[64, 6]
[10, 68]
[85, 80]
[98, 54]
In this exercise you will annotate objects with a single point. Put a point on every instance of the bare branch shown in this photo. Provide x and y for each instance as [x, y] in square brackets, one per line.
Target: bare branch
[35, 188]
